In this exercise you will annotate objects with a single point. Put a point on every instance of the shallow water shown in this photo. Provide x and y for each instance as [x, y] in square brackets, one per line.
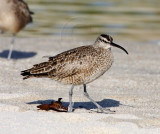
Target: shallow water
[137, 19]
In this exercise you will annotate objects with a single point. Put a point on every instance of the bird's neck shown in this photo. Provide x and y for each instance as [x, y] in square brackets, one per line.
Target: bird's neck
[98, 43]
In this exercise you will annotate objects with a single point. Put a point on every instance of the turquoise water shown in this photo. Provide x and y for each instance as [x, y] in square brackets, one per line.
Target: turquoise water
[136, 19]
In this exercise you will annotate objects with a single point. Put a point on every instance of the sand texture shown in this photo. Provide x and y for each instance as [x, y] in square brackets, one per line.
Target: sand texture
[131, 87]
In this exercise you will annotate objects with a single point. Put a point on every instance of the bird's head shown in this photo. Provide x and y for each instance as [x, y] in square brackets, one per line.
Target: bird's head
[107, 41]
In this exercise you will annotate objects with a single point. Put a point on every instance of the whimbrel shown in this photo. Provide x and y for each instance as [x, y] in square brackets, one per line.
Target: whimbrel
[78, 66]
[14, 16]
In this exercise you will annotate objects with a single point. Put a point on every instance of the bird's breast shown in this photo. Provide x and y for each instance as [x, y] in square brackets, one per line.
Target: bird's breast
[103, 63]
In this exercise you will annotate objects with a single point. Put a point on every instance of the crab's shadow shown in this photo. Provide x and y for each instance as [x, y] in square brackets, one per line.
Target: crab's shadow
[105, 103]
[17, 54]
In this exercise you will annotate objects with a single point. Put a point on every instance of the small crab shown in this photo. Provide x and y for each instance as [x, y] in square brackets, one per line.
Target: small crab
[56, 106]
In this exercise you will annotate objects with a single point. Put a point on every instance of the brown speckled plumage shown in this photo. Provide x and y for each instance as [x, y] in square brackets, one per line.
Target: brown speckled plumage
[77, 66]
[14, 15]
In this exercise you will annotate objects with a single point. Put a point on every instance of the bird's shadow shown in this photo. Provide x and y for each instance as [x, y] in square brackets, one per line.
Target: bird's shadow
[17, 54]
[105, 103]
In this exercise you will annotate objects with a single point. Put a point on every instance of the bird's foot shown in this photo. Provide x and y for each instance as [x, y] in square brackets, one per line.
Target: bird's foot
[104, 110]
[70, 108]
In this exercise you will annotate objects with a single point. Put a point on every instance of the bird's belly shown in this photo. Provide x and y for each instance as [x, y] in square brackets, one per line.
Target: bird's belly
[11, 23]
[95, 75]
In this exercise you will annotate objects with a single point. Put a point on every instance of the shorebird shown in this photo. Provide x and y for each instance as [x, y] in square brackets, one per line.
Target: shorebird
[14, 16]
[78, 66]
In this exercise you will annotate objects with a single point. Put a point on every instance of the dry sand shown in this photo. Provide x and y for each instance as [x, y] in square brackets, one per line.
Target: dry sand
[131, 88]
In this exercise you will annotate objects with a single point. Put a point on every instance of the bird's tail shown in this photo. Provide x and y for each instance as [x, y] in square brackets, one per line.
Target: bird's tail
[26, 74]
[38, 70]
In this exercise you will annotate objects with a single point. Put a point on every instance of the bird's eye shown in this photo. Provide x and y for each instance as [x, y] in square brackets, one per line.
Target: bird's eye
[104, 41]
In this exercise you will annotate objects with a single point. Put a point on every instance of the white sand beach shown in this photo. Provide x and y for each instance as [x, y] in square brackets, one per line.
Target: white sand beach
[131, 87]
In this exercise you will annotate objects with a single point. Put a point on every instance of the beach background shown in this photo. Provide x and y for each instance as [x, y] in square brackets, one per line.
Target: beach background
[131, 87]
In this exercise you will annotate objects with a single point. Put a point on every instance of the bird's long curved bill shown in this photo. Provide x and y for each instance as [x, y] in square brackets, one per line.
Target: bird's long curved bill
[115, 45]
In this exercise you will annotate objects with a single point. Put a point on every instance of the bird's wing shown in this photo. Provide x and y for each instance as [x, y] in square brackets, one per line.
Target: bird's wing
[65, 64]
[74, 61]
[68, 63]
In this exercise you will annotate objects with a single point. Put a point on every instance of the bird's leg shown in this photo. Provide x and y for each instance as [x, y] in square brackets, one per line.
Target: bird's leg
[87, 95]
[70, 109]
[11, 47]
[100, 109]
